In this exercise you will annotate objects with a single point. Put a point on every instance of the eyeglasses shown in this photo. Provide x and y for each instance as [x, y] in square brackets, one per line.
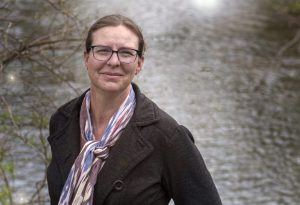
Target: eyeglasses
[104, 53]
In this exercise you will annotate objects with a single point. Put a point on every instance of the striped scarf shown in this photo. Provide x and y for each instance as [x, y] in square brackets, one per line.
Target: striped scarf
[79, 187]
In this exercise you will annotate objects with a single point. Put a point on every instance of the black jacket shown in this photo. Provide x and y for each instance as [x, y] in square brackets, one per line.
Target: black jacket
[155, 159]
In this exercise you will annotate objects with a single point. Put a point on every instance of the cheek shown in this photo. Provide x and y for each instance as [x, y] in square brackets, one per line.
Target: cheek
[132, 69]
[93, 66]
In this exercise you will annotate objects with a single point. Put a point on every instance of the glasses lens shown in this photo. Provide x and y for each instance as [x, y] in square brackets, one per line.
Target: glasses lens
[127, 55]
[102, 53]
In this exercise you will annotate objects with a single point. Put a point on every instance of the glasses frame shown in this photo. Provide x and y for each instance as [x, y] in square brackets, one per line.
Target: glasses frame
[138, 53]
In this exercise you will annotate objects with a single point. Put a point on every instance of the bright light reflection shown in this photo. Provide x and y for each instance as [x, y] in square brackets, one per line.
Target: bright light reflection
[206, 4]
[21, 197]
[11, 77]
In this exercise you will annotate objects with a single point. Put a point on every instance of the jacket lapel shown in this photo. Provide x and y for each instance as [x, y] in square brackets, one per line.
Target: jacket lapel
[129, 150]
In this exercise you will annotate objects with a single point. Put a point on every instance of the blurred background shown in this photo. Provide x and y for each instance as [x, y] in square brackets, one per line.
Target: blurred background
[229, 70]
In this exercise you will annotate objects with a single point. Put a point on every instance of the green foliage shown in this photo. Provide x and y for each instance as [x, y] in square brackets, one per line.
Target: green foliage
[8, 167]
[3, 128]
[4, 116]
[7, 119]
[5, 194]
[289, 7]
[39, 120]
[38, 41]
[2, 154]
[294, 8]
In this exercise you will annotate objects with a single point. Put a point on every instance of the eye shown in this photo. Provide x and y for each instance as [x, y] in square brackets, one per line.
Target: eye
[102, 50]
[127, 52]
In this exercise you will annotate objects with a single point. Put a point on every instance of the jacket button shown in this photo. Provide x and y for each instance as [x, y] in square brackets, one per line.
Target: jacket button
[118, 185]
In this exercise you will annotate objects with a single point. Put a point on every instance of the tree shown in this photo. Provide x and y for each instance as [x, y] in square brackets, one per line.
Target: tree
[39, 39]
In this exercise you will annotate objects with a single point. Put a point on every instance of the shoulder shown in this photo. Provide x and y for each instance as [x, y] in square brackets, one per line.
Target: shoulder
[165, 127]
[156, 123]
[65, 112]
[166, 123]
[171, 129]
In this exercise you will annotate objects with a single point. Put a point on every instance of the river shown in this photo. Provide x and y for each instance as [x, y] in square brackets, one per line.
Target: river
[213, 67]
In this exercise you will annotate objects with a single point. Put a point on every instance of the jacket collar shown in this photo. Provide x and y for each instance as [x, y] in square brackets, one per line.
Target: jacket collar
[145, 112]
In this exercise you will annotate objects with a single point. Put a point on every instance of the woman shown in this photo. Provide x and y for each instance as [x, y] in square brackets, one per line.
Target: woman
[113, 145]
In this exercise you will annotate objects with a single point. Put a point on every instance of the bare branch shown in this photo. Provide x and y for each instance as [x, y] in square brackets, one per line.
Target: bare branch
[288, 45]
[16, 53]
[55, 74]
[12, 118]
[66, 13]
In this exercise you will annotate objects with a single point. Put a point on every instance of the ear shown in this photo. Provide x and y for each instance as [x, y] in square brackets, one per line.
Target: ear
[140, 64]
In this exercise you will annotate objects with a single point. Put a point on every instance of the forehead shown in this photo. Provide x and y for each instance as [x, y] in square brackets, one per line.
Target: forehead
[115, 36]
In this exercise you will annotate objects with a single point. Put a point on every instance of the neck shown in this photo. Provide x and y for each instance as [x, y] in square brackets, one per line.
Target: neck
[104, 105]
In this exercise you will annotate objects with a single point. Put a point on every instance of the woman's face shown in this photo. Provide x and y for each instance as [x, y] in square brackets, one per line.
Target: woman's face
[112, 75]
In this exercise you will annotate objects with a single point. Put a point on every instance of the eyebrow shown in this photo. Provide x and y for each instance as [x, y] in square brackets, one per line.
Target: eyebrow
[112, 49]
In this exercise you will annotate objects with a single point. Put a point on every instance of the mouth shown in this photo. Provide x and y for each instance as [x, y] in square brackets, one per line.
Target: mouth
[111, 74]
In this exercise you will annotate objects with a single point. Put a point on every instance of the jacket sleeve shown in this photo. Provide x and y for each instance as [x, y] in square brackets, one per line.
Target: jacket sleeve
[186, 177]
[53, 178]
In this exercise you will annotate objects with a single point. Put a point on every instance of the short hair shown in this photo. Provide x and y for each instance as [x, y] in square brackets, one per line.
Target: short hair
[116, 20]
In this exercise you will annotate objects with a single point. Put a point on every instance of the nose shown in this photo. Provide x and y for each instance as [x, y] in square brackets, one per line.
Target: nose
[114, 59]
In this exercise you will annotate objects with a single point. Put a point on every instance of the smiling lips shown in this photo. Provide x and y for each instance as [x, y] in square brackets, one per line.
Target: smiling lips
[111, 74]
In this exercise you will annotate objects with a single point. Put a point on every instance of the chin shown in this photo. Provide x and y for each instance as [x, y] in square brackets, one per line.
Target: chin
[113, 87]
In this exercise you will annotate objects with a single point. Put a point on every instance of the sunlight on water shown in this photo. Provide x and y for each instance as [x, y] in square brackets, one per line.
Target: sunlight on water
[206, 4]
[21, 198]
[11, 77]
[213, 73]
